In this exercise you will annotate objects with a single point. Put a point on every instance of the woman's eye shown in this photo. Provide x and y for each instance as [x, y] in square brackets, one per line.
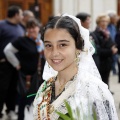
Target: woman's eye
[48, 46]
[63, 45]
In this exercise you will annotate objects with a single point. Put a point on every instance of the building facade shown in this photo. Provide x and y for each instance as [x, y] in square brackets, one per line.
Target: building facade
[47, 8]
[93, 7]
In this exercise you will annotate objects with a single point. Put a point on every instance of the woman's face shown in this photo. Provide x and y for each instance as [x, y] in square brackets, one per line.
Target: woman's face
[103, 23]
[59, 49]
[33, 32]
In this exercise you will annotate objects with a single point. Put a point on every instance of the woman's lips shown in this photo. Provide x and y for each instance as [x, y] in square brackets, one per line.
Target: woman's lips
[56, 61]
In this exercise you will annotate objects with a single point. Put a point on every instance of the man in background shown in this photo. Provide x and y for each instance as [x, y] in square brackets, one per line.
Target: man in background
[10, 30]
[85, 19]
[27, 14]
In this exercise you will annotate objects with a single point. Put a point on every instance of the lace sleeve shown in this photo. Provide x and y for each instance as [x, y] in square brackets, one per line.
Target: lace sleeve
[95, 95]
[105, 107]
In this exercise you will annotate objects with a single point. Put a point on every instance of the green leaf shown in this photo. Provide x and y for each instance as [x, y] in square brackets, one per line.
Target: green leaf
[89, 115]
[94, 114]
[69, 109]
[78, 113]
[64, 117]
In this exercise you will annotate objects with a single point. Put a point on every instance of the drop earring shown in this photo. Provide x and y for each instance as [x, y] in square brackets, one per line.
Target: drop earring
[77, 59]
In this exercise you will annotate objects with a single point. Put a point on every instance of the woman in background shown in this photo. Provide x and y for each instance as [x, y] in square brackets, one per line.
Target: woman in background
[104, 46]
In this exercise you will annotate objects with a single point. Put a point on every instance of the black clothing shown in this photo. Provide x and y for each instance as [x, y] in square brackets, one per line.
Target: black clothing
[12, 92]
[96, 56]
[104, 53]
[27, 54]
[23, 101]
[117, 40]
[22, 87]
[8, 83]
[28, 57]
[8, 32]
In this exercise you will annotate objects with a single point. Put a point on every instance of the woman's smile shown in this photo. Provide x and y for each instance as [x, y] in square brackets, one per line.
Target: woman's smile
[56, 61]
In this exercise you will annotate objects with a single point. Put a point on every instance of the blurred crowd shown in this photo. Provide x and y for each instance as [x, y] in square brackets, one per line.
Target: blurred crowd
[22, 55]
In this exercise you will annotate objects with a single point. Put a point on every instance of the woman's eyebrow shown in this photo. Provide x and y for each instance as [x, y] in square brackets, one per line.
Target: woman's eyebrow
[47, 41]
[63, 41]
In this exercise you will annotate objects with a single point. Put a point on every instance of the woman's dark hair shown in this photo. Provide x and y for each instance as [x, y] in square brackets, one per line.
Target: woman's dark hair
[66, 23]
[32, 22]
[12, 11]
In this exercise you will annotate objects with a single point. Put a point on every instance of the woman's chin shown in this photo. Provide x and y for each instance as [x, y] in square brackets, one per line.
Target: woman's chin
[57, 68]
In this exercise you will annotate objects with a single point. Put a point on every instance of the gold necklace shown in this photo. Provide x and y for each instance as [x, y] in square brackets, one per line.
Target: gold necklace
[62, 86]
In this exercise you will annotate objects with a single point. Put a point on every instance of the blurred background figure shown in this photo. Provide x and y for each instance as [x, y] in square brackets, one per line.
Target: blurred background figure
[50, 18]
[85, 19]
[112, 29]
[28, 49]
[27, 14]
[105, 47]
[112, 24]
[117, 40]
[10, 30]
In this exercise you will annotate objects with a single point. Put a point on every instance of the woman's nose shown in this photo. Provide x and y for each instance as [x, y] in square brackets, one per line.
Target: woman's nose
[55, 52]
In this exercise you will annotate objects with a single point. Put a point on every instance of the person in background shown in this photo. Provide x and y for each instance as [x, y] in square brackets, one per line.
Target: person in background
[85, 19]
[112, 24]
[28, 49]
[105, 47]
[50, 17]
[112, 29]
[10, 30]
[117, 40]
[27, 14]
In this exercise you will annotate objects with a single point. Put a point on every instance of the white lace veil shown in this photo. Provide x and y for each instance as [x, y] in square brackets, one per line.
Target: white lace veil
[89, 82]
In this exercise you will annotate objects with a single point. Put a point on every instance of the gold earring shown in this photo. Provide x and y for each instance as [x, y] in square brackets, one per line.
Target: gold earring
[77, 59]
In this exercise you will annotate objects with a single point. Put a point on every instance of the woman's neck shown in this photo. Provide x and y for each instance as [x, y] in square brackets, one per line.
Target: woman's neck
[66, 75]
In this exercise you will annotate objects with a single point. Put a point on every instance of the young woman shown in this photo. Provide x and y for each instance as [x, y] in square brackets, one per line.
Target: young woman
[69, 52]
